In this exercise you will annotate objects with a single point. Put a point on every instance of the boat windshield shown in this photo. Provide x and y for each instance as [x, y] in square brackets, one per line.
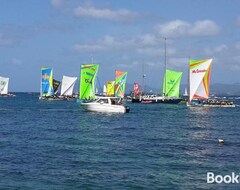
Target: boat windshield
[102, 101]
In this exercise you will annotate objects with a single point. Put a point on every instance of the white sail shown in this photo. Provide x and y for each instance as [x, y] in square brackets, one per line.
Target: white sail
[185, 92]
[68, 85]
[4, 85]
[104, 89]
[199, 74]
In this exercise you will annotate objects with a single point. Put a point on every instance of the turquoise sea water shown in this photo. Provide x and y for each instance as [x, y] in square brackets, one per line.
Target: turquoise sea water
[57, 145]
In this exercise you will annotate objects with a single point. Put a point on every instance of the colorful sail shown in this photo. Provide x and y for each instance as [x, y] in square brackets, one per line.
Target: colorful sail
[136, 89]
[67, 85]
[87, 81]
[110, 88]
[56, 84]
[171, 84]
[47, 82]
[4, 85]
[120, 83]
[199, 78]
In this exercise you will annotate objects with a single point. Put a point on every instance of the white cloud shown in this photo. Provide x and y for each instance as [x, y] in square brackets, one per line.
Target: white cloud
[151, 51]
[104, 13]
[88, 47]
[137, 64]
[57, 3]
[106, 43]
[149, 43]
[127, 66]
[218, 49]
[178, 62]
[143, 44]
[148, 39]
[179, 28]
[152, 64]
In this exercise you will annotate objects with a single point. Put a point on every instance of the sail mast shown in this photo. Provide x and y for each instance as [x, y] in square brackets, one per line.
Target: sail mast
[165, 67]
[143, 77]
[189, 82]
[41, 84]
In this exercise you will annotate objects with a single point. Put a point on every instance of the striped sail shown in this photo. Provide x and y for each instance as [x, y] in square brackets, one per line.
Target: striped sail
[199, 78]
[120, 83]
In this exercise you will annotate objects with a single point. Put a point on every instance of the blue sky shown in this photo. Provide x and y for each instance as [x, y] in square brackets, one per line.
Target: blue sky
[119, 35]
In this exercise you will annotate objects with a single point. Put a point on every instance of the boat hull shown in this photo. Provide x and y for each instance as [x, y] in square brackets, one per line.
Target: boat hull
[211, 105]
[51, 98]
[136, 100]
[168, 101]
[157, 100]
[104, 108]
[224, 106]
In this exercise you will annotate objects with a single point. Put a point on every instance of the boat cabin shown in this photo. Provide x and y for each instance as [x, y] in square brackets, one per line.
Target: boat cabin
[109, 100]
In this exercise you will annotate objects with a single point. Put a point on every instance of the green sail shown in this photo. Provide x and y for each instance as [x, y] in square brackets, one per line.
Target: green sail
[87, 81]
[171, 84]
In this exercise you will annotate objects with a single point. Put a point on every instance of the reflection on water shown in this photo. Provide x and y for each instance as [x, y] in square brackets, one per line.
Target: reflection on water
[199, 110]
[201, 135]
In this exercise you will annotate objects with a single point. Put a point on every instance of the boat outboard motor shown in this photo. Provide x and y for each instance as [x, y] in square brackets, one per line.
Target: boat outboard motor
[127, 109]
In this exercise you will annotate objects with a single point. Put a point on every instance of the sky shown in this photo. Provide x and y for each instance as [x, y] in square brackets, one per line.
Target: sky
[123, 35]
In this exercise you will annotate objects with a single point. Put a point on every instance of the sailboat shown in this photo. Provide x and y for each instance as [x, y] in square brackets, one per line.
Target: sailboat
[199, 83]
[49, 86]
[87, 82]
[4, 82]
[136, 94]
[110, 88]
[67, 86]
[106, 104]
[171, 84]
[46, 91]
[120, 83]
[56, 85]
[170, 89]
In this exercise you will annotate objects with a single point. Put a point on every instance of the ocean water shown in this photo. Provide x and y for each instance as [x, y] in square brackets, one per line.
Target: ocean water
[57, 145]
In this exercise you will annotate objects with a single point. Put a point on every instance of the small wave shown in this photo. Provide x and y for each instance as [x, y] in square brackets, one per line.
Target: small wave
[60, 109]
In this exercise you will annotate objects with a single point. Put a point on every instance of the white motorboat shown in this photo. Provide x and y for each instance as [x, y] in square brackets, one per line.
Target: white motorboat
[107, 105]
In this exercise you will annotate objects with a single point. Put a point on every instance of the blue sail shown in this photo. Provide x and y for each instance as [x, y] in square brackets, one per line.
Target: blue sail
[47, 82]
